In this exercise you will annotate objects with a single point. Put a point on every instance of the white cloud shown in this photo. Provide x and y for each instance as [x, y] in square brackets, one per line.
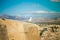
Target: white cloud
[40, 12]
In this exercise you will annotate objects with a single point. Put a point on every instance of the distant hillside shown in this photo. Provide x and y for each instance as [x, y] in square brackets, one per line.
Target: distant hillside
[12, 17]
[33, 20]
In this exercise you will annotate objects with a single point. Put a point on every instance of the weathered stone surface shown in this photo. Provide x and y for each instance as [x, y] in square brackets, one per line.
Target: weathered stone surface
[17, 30]
[51, 34]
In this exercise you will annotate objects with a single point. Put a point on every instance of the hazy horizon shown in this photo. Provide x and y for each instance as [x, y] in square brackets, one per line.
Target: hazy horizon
[37, 9]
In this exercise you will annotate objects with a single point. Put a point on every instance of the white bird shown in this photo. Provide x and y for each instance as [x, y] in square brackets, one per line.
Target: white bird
[30, 19]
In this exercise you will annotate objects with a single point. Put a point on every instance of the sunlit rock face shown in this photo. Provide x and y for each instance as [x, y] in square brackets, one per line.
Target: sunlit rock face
[17, 30]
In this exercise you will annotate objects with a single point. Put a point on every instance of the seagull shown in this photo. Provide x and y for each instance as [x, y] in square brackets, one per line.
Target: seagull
[30, 19]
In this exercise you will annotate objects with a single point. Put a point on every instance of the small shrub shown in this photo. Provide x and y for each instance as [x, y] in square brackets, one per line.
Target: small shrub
[3, 18]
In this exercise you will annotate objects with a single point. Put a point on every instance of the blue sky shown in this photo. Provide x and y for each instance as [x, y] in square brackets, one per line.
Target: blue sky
[16, 7]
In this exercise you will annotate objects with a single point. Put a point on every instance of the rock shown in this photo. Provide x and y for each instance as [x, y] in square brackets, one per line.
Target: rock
[17, 30]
